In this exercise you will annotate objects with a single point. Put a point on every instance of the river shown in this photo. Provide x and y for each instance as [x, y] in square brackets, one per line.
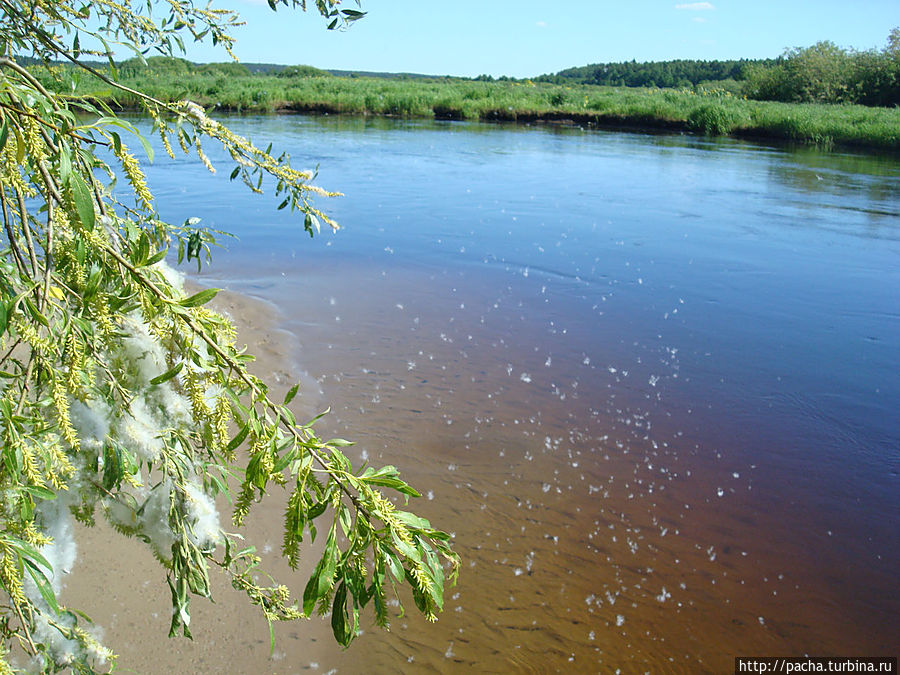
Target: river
[649, 382]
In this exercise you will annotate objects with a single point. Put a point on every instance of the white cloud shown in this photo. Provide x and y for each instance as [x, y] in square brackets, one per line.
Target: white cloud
[541, 24]
[699, 19]
[696, 6]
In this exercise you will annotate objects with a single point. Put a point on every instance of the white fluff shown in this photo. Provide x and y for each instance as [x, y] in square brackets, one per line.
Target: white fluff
[138, 430]
[91, 421]
[203, 516]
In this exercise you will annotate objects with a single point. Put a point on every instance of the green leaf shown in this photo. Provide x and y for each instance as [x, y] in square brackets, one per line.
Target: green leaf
[346, 519]
[65, 164]
[4, 134]
[412, 520]
[40, 492]
[200, 298]
[84, 203]
[28, 552]
[43, 584]
[394, 565]
[129, 127]
[20, 145]
[237, 440]
[117, 141]
[142, 252]
[35, 313]
[4, 318]
[322, 580]
[169, 374]
[289, 396]
[342, 632]
[156, 257]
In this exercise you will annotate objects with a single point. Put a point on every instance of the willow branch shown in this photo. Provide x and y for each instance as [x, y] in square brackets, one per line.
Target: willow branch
[236, 367]
[13, 244]
[26, 230]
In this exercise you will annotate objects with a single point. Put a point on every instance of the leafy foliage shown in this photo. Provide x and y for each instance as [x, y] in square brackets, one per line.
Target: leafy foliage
[121, 393]
[826, 73]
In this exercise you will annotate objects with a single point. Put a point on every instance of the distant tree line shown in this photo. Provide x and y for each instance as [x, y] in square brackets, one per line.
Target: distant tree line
[665, 74]
[822, 73]
[168, 65]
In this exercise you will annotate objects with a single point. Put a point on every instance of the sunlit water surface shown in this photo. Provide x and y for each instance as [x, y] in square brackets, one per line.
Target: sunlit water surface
[650, 383]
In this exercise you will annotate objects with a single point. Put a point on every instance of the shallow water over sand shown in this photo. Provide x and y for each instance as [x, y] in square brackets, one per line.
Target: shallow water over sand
[650, 383]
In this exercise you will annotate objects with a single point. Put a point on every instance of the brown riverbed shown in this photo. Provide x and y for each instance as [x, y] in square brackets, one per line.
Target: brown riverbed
[602, 522]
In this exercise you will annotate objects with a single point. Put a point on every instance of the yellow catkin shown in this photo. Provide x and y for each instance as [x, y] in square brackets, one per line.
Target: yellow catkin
[60, 221]
[164, 137]
[10, 578]
[103, 317]
[135, 177]
[183, 143]
[421, 577]
[34, 142]
[5, 668]
[74, 358]
[60, 466]
[33, 536]
[10, 171]
[61, 402]
[386, 513]
[29, 463]
[202, 156]
[222, 417]
[30, 335]
[194, 389]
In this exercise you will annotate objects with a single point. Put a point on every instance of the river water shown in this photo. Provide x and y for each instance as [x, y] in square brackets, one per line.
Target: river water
[649, 382]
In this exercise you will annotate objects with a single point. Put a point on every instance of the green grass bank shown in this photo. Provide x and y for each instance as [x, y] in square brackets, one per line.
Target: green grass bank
[703, 110]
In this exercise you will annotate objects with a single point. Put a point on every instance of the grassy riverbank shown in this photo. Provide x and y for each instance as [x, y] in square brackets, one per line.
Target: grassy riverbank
[708, 111]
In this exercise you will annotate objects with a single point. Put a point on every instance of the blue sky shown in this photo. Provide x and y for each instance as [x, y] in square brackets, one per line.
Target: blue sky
[526, 38]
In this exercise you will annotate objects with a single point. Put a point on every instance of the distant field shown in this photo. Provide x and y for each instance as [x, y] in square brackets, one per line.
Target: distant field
[704, 110]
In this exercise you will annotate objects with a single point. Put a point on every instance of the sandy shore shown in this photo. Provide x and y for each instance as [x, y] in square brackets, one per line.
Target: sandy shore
[117, 582]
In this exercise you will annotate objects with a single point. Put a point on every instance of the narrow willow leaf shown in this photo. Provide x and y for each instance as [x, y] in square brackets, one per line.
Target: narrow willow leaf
[65, 165]
[237, 440]
[35, 313]
[43, 585]
[394, 565]
[84, 204]
[40, 492]
[200, 298]
[169, 374]
[346, 519]
[117, 141]
[342, 631]
[156, 257]
[20, 145]
[129, 127]
[28, 552]
[292, 392]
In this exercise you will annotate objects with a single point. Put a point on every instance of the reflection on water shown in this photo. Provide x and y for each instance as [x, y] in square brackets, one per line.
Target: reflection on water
[649, 382]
